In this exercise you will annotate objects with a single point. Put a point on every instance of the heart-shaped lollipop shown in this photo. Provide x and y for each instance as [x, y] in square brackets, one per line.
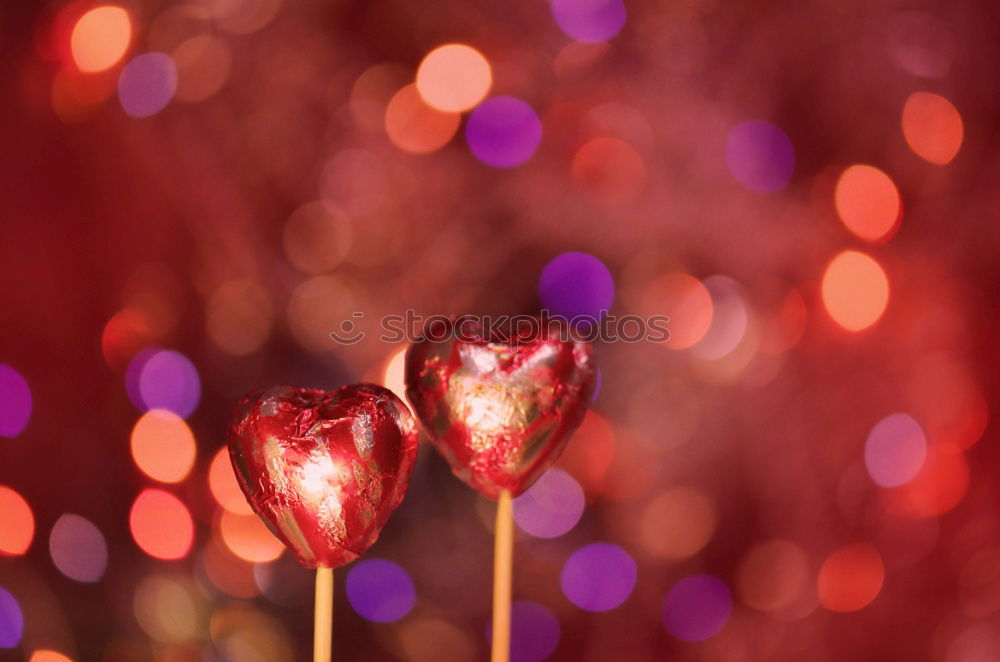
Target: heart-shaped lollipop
[499, 408]
[323, 469]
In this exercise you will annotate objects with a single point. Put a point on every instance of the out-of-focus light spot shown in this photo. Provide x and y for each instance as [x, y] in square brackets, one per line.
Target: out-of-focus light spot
[760, 156]
[242, 633]
[319, 306]
[243, 17]
[161, 525]
[285, 581]
[48, 656]
[686, 301]
[75, 96]
[371, 93]
[868, 203]
[921, 43]
[940, 485]
[952, 405]
[166, 609]
[15, 402]
[697, 608]
[855, 290]
[609, 170]
[454, 78]
[433, 640]
[247, 537]
[227, 572]
[676, 524]
[316, 238]
[203, 63]
[589, 458]
[163, 446]
[773, 575]
[147, 84]
[932, 127]
[598, 577]
[503, 132]
[100, 38]
[223, 485]
[590, 21]
[78, 548]
[534, 632]
[729, 319]
[163, 379]
[895, 450]
[851, 578]
[550, 507]
[576, 285]
[127, 332]
[175, 25]
[393, 377]
[415, 127]
[380, 591]
[17, 524]
[11, 619]
[784, 330]
[239, 317]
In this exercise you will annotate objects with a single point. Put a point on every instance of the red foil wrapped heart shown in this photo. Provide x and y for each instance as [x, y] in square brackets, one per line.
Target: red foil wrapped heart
[323, 469]
[499, 407]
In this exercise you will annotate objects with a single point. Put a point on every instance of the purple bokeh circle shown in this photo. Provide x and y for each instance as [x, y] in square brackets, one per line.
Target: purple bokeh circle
[598, 577]
[163, 379]
[147, 84]
[550, 507]
[11, 620]
[15, 402]
[534, 632]
[503, 132]
[574, 285]
[760, 156]
[591, 21]
[380, 591]
[697, 608]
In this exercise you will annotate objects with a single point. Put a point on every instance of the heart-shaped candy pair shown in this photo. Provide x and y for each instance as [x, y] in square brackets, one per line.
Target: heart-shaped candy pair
[323, 469]
[499, 407]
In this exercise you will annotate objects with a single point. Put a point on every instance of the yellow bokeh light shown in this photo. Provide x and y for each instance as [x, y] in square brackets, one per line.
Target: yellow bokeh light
[223, 485]
[855, 290]
[867, 202]
[248, 538]
[677, 524]
[454, 78]
[415, 127]
[163, 446]
[17, 524]
[932, 127]
[48, 656]
[100, 38]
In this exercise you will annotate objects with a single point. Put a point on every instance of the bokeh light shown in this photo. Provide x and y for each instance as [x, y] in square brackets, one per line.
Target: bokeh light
[239, 317]
[247, 537]
[676, 524]
[773, 575]
[166, 609]
[895, 450]
[868, 202]
[598, 577]
[394, 374]
[147, 84]
[590, 21]
[15, 402]
[11, 620]
[224, 486]
[100, 38]
[48, 656]
[454, 78]
[932, 127]
[851, 577]
[316, 238]
[434, 639]
[229, 573]
[697, 608]
[855, 290]
[163, 379]
[127, 332]
[380, 591]
[503, 132]
[730, 318]
[576, 285]
[550, 507]
[203, 63]
[534, 632]
[17, 524]
[590, 456]
[415, 127]
[608, 170]
[938, 487]
[760, 156]
[161, 525]
[78, 548]
[687, 302]
[163, 446]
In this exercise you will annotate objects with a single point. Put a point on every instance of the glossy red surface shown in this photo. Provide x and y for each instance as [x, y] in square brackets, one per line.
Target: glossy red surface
[500, 410]
[323, 469]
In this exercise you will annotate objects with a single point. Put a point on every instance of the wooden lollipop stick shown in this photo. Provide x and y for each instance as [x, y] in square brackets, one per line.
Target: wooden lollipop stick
[323, 623]
[503, 551]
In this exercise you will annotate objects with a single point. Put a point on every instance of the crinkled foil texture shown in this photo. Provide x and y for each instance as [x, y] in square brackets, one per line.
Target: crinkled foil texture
[323, 469]
[500, 412]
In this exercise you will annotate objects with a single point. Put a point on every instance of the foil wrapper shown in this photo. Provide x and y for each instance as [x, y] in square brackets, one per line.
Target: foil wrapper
[500, 409]
[323, 469]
